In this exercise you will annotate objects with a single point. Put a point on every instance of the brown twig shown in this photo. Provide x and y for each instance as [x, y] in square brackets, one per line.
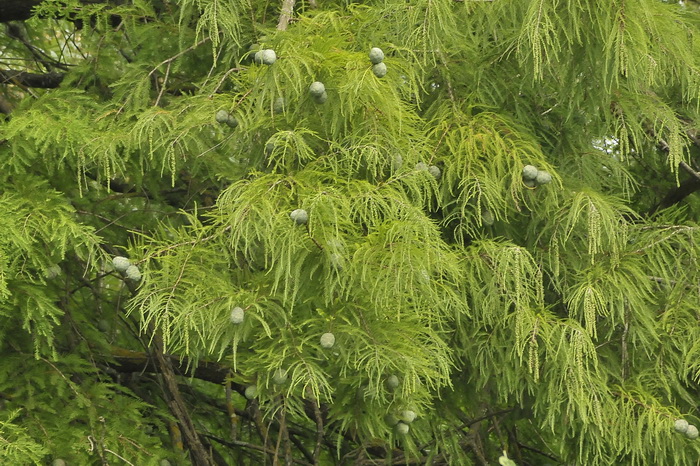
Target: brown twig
[163, 85]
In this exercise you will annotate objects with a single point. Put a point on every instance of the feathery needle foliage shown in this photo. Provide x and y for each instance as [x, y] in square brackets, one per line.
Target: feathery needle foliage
[358, 271]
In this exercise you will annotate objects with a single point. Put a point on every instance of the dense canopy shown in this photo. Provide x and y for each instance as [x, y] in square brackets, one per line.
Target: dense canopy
[324, 232]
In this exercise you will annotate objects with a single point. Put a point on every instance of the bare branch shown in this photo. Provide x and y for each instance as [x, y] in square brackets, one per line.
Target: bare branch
[302, 448]
[176, 403]
[237, 443]
[16, 31]
[22, 78]
[685, 189]
[134, 361]
[690, 170]
[676, 195]
[319, 431]
[285, 15]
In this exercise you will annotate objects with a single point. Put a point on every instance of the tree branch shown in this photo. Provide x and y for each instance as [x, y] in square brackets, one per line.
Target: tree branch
[319, 432]
[237, 443]
[285, 15]
[127, 361]
[200, 455]
[22, 78]
[686, 188]
[18, 32]
[690, 170]
[676, 195]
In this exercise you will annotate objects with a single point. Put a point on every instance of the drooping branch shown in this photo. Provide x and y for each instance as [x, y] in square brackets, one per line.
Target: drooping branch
[22, 78]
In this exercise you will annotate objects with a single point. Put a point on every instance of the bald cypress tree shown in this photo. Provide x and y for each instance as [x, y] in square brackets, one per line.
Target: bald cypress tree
[322, 232]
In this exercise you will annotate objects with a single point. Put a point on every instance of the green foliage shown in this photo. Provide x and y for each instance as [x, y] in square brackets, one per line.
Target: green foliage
[428, 232]
[16, 446]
